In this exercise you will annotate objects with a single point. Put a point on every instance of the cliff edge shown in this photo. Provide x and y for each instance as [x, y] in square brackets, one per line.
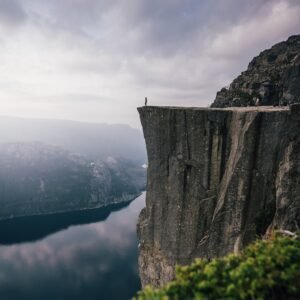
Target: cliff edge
[217, 179]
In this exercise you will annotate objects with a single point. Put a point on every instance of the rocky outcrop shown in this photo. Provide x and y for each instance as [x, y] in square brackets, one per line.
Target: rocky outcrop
[40, 179]
[217, 179]
[272, 78]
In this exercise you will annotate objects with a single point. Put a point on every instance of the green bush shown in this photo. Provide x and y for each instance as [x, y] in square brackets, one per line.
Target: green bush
[267, 269]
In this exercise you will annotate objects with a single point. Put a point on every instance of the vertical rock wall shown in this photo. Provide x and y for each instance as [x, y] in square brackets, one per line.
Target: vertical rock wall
[217, 179]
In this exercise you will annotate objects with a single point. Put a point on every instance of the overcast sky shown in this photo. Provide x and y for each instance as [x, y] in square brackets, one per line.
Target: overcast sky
[96, 60]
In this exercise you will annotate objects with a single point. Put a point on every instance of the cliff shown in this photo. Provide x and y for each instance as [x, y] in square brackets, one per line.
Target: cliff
[272, 78]
[217, 179]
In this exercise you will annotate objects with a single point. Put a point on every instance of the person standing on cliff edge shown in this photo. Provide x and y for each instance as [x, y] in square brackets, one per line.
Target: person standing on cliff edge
[146, 101]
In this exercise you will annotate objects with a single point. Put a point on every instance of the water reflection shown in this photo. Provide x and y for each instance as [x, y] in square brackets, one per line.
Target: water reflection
[36, 227]
[93, 261]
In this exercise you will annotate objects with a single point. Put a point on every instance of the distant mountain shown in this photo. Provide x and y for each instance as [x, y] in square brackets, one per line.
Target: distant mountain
[95, 141]
[40, 179]
[272, 78]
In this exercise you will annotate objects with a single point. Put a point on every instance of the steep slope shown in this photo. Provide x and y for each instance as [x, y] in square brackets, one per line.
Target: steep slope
[40, 179]
[217, 179]
[272, 78]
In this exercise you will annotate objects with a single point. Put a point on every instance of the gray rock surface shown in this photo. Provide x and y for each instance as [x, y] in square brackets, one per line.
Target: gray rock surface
[272, 78]
[217, 179]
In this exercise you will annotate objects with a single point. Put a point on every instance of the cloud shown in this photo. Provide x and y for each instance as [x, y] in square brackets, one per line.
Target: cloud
[11, 13]
[109, 55]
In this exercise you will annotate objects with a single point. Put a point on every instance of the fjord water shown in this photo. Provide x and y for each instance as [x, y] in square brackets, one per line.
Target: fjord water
[83, 255]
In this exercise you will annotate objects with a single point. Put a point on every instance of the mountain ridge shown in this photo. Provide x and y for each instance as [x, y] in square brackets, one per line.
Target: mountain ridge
[92, 140]
[37, 179]
[272, 78]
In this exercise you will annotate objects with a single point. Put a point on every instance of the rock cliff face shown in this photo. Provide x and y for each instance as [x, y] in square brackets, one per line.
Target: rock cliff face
[272, 78]
[217, 179]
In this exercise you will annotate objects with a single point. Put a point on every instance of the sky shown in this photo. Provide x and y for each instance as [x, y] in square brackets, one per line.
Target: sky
[96, 60]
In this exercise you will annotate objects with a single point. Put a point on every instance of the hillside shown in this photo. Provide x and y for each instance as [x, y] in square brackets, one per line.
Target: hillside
[40, 179]
[272, 78]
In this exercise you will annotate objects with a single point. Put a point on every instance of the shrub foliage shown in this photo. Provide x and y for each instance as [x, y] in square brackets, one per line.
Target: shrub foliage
[267, 269]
